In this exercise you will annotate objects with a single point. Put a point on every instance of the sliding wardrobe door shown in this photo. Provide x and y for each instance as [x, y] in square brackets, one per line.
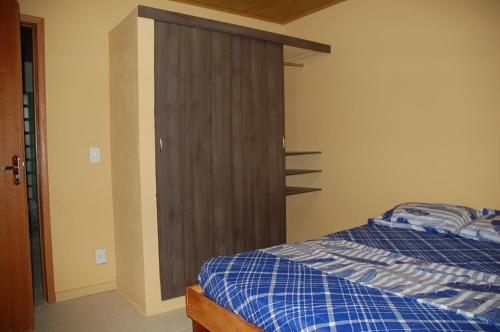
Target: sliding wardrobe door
[219, 156]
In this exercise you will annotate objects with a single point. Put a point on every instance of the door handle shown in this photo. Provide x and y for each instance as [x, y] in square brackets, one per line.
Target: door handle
[16, 161]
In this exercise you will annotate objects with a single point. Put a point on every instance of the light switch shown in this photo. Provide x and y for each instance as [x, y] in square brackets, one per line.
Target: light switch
[95, 155]
[100, 256]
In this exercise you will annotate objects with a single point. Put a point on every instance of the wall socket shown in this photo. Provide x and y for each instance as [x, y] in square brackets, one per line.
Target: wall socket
[100, 256]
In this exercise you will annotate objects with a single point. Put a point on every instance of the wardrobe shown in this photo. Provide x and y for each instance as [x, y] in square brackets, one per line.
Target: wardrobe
[197, 144]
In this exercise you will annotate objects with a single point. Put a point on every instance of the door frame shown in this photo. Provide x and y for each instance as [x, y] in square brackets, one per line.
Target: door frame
[37, 25]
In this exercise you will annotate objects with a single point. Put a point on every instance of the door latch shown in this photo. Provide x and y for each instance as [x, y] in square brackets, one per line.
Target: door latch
[16, 161]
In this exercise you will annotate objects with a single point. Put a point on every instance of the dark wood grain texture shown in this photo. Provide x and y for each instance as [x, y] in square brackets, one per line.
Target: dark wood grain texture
[301, 171]
[300, 153]
[300, 190]
[238, 30]
[220, 166]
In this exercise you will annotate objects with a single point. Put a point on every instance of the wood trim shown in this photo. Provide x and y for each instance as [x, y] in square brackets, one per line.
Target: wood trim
[309, 12]
[37, 24]
[209, 316]
[229, 11]
[30, 21]
[203, 23]
[16, 291]
[281, 19]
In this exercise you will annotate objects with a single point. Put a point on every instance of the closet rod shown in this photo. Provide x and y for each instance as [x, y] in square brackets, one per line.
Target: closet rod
[293, 64]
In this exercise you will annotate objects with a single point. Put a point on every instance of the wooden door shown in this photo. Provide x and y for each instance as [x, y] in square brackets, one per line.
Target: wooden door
[16, 300]
[219, 155]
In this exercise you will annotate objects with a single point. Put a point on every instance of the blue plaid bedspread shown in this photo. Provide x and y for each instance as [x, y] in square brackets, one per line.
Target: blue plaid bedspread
[279, 294]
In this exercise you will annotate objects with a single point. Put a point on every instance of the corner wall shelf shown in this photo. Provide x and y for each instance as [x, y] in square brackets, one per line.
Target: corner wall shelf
[300, 153]
[299, 190]
[301, 171]
[289, 190]
[295, 56]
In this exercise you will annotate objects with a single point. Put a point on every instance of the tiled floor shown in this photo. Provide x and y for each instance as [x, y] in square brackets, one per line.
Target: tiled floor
[105, 312]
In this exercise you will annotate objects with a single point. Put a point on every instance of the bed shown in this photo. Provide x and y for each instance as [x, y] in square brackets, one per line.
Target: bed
[330, 284]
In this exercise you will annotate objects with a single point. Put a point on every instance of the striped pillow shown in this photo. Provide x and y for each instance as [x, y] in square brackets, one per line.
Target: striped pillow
[485, 229]
[435, 218]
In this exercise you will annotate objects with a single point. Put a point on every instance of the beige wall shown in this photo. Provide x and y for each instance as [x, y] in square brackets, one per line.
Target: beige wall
[125, 161]
[405, 109]
[133, 165]
[76, 37]
[131, 48]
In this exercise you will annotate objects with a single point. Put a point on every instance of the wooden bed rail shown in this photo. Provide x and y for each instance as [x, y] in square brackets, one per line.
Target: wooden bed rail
[209, 316]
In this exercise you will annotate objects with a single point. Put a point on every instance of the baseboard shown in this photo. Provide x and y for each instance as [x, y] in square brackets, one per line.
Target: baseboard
[84, 291]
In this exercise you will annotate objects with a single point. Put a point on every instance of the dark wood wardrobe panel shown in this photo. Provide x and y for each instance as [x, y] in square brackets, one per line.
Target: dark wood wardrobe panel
[275, 125]
[233, 29]
[219, 156]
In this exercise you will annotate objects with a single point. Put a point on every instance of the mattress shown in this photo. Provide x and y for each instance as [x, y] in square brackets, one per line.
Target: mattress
[277, 292]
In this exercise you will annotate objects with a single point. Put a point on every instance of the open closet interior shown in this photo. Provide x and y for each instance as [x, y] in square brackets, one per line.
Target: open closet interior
[197, 146]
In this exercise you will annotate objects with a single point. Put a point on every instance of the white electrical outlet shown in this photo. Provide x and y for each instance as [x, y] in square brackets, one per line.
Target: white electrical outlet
[100, 256]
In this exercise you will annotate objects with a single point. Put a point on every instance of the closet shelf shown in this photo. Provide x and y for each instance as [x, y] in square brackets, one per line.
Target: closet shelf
[299, 190]
[301, 171]
[299, 153]
[296, 56]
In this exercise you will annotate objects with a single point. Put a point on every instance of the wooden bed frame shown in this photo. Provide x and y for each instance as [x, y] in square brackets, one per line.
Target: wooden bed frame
[209, 316]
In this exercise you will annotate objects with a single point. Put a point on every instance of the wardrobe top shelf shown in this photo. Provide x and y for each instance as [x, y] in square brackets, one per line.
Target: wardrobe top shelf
[299, 153]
